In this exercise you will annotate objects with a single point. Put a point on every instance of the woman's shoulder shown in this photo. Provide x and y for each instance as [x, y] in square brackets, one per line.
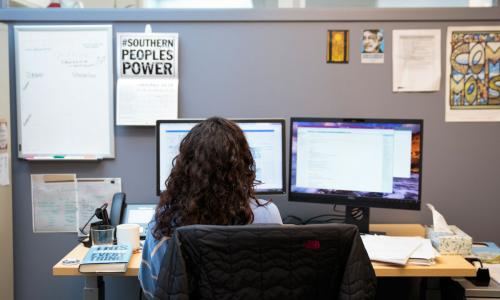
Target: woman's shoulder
[265, 211]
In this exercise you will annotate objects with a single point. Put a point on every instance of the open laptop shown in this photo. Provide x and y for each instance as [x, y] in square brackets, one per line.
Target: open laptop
[139, 214]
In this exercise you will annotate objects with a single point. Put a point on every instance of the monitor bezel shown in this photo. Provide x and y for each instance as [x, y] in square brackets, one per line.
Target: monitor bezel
[281, 191]
[377, 202]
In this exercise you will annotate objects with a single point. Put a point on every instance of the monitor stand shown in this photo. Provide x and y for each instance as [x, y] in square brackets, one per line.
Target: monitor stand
[359, 216]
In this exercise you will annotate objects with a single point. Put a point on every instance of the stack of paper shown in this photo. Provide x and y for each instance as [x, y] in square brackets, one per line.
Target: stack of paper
[424, 254]
[399, 250]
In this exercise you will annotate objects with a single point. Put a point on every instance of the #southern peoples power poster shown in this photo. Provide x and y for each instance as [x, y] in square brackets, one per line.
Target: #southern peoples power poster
[148, 78]
[473, 74]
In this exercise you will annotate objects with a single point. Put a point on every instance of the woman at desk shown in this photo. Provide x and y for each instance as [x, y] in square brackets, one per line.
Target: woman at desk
[212, 182]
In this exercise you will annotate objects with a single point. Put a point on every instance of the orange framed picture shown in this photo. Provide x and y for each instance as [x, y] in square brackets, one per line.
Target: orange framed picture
[338, 47]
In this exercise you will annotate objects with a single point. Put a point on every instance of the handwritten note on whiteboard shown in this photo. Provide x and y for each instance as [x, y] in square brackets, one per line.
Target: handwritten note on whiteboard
[64, 83]
[53, 202]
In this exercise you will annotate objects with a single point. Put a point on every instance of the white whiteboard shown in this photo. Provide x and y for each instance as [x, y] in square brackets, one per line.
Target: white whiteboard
[64, 84]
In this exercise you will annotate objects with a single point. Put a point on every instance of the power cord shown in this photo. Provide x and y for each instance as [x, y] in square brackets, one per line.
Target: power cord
[357, 213]
[330, 216]
[296, 220]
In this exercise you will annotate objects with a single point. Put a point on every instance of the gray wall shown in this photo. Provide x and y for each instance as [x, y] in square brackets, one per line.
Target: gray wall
[276, 69]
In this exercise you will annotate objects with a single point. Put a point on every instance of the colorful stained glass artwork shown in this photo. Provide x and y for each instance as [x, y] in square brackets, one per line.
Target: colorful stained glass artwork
[473, 74]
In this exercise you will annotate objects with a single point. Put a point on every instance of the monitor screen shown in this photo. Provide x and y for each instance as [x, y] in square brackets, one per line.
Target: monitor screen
[265, 138]
[356, 162]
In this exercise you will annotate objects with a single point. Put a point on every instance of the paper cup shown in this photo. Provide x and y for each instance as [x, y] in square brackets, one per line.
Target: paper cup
[128, 234]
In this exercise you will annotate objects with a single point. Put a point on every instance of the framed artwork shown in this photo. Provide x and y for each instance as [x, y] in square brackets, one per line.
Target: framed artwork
[338, 47]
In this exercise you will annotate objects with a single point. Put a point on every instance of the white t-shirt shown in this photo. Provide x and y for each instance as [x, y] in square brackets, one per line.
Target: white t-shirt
[268, 213]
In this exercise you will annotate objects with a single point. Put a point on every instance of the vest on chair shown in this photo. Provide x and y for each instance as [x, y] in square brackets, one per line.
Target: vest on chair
[326, 261]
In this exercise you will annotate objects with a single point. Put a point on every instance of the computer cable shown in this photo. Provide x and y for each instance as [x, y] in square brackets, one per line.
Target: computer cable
[298, 221]
[357, 213]
[330, 216]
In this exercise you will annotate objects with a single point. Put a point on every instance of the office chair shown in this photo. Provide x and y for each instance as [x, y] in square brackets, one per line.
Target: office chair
[326, 261]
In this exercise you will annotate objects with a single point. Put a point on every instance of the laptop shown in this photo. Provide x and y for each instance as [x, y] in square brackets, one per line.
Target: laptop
[140, 214]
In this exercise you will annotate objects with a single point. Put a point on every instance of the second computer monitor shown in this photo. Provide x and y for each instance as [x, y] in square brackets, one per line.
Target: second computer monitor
[265, 138]
[356, 162]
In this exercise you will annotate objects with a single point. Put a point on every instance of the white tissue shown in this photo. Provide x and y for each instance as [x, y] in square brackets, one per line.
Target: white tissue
[439, 223]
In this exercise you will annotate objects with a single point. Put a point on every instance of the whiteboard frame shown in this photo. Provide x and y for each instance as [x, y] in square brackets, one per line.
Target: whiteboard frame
[108, 29]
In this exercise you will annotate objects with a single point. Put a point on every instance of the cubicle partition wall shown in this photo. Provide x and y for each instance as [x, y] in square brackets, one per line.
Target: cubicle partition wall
[6, 259]
[266, 64]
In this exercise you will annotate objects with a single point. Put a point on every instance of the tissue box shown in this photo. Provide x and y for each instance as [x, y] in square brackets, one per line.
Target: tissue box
[457, 243]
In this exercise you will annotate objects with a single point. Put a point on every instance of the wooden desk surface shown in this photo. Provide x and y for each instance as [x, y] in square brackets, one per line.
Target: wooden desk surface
[445, 266]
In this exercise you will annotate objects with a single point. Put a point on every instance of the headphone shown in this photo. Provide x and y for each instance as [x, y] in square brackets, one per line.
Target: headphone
[102, 213]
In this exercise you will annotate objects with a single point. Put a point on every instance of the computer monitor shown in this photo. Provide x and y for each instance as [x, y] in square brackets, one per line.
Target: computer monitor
[266, 138]
[359, 163]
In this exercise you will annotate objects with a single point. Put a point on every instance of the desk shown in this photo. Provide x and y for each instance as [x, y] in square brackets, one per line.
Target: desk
[445, 266]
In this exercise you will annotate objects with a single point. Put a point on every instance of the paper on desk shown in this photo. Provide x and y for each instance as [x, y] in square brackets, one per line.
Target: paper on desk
[390, 249]
[93, 193]
[53, 200]
[416, 60]
[424, 254]
[438, 222]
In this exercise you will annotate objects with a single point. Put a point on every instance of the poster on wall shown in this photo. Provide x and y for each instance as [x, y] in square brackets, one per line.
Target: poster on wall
[337, 47]
[148, 77]
[372, 46]
[473, 74]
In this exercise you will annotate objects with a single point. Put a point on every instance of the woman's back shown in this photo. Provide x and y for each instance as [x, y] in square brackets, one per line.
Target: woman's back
[211, 182]
[154, 250]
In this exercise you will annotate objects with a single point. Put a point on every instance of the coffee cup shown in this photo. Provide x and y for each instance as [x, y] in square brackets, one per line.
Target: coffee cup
[128, 234]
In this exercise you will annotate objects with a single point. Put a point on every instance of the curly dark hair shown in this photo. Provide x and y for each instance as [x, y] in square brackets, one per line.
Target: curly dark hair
[212, 179]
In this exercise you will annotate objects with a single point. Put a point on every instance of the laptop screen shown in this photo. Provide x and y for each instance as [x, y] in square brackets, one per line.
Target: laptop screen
[140, 214]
